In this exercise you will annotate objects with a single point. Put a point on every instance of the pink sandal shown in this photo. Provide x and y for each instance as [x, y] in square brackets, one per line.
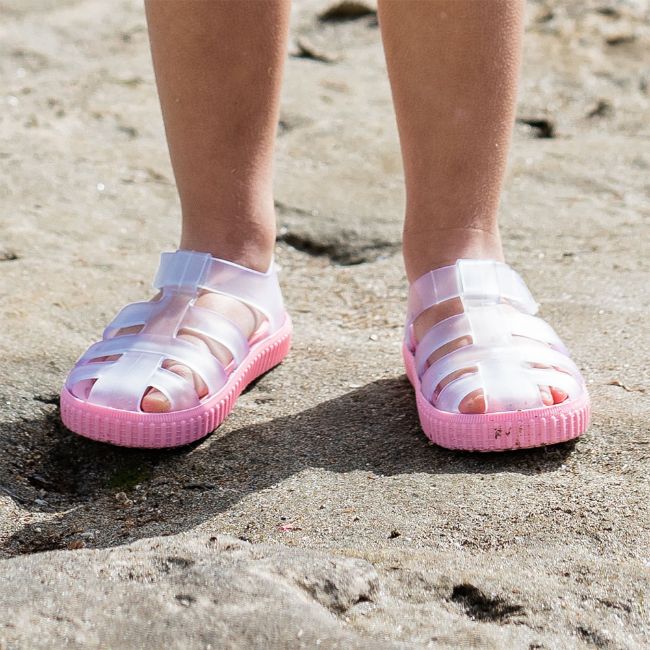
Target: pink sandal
[512, 353]
[102, 399]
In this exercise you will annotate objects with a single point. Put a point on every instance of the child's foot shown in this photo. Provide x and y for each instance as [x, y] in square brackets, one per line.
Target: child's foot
[470, 244]
[483, 365]
[169, 370]
[482, 371]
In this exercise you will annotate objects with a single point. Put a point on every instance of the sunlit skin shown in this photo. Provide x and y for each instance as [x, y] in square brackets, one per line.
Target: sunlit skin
[453, 67]
[219, 71]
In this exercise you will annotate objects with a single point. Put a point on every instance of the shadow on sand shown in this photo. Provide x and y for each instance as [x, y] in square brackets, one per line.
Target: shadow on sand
[45, 468]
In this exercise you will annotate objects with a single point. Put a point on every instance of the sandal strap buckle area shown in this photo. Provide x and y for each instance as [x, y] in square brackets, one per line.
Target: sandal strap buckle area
[187, 271]
[473, 281]
[183, 271]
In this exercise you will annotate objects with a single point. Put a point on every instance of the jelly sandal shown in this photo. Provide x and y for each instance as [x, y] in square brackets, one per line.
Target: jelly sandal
[103, 393]
[512, 353]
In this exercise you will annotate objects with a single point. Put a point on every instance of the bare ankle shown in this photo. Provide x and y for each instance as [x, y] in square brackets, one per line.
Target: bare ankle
[248, 247]
[432, 247]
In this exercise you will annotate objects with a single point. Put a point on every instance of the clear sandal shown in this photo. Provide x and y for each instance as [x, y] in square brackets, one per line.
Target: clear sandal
[103, 393]
[512, 353]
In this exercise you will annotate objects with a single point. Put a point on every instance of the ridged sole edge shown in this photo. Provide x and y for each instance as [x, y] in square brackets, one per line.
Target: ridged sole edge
[177, 428]
[488, 432]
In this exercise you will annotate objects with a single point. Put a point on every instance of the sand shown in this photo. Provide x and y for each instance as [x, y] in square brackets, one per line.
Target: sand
[319, 513]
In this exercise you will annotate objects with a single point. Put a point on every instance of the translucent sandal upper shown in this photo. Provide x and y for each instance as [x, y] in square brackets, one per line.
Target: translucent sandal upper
[181, 278]
[508, 342]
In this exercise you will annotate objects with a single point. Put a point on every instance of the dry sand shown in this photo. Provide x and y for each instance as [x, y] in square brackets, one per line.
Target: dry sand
[398, 543]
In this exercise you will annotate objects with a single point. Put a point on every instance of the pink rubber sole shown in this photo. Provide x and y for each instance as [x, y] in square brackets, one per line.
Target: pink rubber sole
[548, 425]
[158, 430]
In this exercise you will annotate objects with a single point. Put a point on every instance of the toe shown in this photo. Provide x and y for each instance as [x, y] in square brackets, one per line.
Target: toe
[156, 402]
[550, 395]
[473, 404]
[193, 380]
[547, 398]
[558, 395]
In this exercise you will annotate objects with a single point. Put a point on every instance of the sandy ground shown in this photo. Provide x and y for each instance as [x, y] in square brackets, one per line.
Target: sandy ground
[399, 543]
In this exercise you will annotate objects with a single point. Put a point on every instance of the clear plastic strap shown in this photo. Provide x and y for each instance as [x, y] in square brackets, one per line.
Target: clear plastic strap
[218, 328]
[122, 384]
[519, 392]
[485, 325]
[488, 325]
[455, 391]
[82, 372]
[470, 356]
[489, 281]
[180, 392]
[431, 289]
[182, 270]
[188, 271]
[169, 312]
[556, 379]
[137, 313]
[440, 334]
[507, 387]
[161, 348]
[535, 328]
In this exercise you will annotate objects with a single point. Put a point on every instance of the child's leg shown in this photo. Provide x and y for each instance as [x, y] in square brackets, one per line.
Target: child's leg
[453, 66]
[218, 70]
